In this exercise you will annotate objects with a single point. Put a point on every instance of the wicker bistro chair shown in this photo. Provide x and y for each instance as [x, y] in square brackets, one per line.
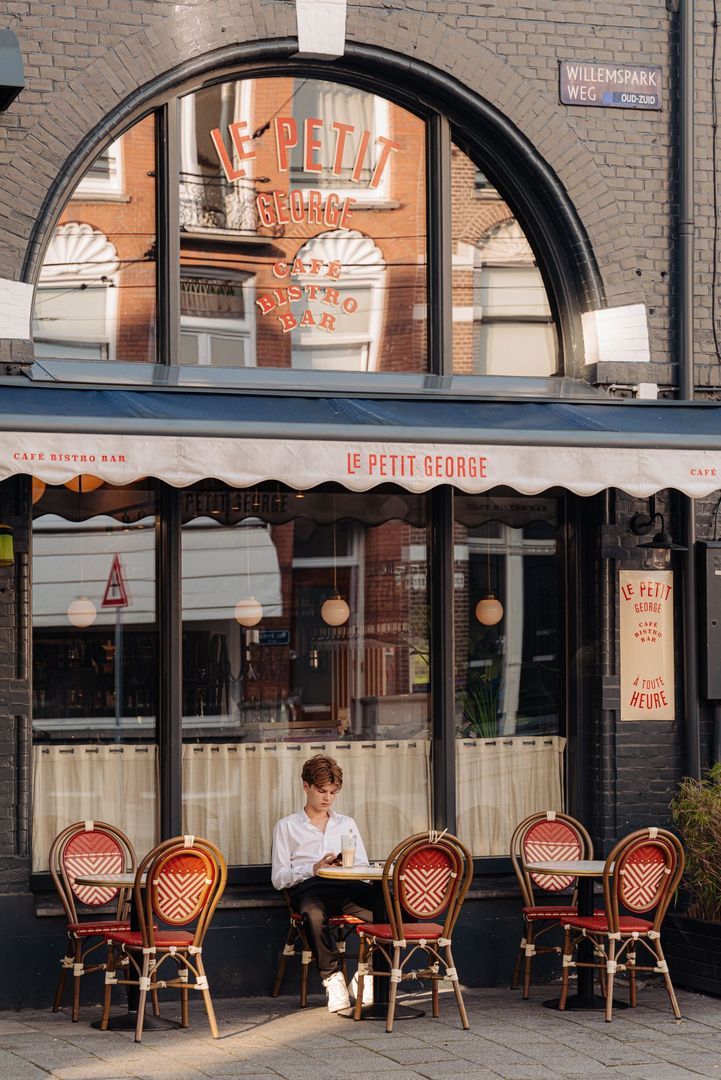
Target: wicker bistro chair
[425, 877]
[545, 835]
[342, 927]
[186, 877]
[639, 879]
[88, 847]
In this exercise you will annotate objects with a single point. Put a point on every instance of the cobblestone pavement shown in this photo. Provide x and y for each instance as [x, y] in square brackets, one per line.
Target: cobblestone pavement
[262, 1038]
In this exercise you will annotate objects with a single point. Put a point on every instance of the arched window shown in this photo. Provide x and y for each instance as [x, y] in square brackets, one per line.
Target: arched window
[299, 229]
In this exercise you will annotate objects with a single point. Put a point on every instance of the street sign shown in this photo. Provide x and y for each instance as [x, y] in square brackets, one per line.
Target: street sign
[116, 594]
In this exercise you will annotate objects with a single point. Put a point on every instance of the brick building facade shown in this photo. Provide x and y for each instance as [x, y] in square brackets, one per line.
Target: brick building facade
[93, 69]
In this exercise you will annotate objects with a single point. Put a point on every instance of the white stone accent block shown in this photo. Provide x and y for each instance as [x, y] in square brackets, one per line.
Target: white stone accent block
[619, 334]
[16, 301]
[321, 28]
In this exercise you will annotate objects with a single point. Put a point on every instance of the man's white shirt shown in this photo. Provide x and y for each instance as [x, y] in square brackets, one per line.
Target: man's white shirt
[298, 845]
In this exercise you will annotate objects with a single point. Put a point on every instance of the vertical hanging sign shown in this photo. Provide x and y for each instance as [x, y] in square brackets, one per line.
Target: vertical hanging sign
[647, 684]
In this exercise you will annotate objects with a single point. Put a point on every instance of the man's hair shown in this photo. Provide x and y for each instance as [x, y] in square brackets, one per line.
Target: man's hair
[321, 770]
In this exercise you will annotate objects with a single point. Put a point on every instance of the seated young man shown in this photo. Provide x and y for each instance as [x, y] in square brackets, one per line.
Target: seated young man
[304, 842]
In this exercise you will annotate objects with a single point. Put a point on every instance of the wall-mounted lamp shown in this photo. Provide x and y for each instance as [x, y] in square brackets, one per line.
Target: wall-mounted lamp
[658, 550]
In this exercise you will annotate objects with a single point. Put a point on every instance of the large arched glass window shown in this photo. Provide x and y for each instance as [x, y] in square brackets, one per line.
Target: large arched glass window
[298, 230]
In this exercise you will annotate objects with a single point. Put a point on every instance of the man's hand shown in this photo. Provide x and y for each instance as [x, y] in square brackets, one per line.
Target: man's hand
[327, 860]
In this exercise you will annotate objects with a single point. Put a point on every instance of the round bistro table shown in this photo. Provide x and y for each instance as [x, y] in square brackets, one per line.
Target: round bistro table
[585, 870]
[126, 1021]
[373, 873]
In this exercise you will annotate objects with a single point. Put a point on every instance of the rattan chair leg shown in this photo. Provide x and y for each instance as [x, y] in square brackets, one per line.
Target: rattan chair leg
[154, 997]
[208, 1003]
[564, 974]
[527, 961]
[61, 980]
[184, 994]
[631, 969]
[434, 996]
[304, 972]
[393, 989]
[109, 970]
[77, 959]
[290, 940]
[457, 991]
[667, 979]
[610, 979]
[142, 997]
[362, 954]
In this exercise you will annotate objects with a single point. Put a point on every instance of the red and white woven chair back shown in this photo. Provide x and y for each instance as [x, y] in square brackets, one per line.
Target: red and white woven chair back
[180, 885]
[92, 851]
[428, 881]
[551, 840]
[643, 873]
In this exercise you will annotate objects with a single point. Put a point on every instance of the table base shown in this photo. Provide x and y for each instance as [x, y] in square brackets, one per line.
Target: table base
[585, 1002]
[127, 1021]
[380, 1012]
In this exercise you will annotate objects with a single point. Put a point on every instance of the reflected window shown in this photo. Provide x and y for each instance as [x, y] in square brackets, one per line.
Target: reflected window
[288, 679]
[95, 661]
[217, 318]
[502, 320]
[96, 296]
[509, 744]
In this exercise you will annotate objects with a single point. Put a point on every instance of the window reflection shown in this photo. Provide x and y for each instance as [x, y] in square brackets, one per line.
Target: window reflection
[502, 321]
[96, 297]
[312, 194]
[509, 753]
[95, 685]
[257, 697]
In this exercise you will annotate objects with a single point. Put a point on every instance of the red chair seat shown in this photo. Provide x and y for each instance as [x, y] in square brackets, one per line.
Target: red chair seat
[628, 924]
[164, 939]
[553, 911]
[91, 929]
[411, 931]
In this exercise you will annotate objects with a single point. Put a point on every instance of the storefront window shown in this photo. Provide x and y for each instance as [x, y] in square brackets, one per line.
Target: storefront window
[509, 749]
[258, 699]
[315, 191]
[96, 297]
[95, 661]
[502, 321]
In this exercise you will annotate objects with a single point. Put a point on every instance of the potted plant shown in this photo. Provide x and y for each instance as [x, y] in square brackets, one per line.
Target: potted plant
[479, 703]
[692, 933]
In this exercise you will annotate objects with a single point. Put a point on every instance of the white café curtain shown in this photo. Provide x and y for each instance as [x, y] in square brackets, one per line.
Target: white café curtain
[501, 781]
[112, 783]
[233, 793]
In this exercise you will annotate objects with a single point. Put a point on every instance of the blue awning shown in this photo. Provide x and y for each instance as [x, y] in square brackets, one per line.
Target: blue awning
[245, 438]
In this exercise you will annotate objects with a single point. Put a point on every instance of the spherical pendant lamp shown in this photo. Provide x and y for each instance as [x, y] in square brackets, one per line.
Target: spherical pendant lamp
[84, 483]
[82, 612]
[248, 611]
[335, 611]
[38, 487]
[489, 610]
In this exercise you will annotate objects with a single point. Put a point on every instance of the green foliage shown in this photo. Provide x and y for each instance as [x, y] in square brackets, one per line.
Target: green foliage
[479, 703]
[696, 810]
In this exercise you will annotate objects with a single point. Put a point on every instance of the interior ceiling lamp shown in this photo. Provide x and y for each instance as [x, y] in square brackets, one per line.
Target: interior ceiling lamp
[84, 483]
[489, 610]
[657, 550]
[248, 610]
[38, 489]
[81, 611]
[7, 546]
[335, 611]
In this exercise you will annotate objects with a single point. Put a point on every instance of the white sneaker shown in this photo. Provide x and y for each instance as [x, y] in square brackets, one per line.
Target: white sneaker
[336, 992]
[367, 989]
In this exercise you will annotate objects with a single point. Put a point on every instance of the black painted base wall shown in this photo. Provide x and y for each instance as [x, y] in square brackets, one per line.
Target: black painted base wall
[242, 950]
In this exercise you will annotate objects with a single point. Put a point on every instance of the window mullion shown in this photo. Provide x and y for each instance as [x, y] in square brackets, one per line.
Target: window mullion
[440, 261]
[168, 218]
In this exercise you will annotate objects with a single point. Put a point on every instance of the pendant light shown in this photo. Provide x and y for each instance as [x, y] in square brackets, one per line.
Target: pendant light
[335, 611]
[38, 488]
[489, 610]
[86, 483]
[248, 610]
[82, 611]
